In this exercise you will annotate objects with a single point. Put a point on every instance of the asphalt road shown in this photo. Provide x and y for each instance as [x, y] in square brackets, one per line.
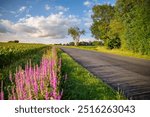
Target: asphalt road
[128, 75]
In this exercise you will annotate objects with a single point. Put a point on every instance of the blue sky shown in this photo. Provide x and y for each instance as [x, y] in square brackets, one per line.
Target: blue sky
[45, 21]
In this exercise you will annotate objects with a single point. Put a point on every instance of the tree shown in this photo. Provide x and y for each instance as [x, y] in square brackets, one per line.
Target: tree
[15, 41]
[115, 34]
[95, 30]
[102, 14]
[75, 32]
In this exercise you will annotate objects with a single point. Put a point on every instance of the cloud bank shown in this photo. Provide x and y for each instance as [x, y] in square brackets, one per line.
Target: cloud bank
[54, 26]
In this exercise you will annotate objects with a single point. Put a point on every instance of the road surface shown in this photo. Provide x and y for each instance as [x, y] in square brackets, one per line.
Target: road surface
[128, 75]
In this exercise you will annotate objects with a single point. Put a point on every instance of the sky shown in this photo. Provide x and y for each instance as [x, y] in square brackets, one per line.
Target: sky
[45, 21]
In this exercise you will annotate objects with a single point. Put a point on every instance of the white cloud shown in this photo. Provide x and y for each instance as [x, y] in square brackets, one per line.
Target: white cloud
[87, 39]
[87, 3]
[6, 26]
[23, 8]
[61, 8]
[47, 7]
[28, 15]
[54, 26]
[88, 24]
[87, 19]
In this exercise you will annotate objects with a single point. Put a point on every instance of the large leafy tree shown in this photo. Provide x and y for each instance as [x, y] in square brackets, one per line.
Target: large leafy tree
[102, 14]
[75, 33]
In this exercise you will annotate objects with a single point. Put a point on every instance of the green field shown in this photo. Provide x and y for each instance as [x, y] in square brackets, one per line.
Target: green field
[11, 52]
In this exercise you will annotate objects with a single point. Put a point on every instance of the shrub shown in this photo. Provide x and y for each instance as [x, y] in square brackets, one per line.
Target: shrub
[113, 43]
[97, 43]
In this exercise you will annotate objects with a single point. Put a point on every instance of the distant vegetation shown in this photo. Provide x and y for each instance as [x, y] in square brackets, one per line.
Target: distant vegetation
[125, 25]
[15, 41]
[84, 43]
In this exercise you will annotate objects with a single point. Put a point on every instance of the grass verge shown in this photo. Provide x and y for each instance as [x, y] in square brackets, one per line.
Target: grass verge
[113, 51]
[82, 85]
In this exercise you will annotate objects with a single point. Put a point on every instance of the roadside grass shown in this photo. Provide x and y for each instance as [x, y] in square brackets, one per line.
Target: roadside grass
[82, 85]
[113, 51]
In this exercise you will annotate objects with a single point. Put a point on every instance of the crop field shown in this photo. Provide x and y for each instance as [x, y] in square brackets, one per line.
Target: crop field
[42, 72]
[10, 52]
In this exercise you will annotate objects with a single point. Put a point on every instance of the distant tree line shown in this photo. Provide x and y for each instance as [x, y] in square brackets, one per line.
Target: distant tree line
[15, 41]
[125, 25]
[84, 43]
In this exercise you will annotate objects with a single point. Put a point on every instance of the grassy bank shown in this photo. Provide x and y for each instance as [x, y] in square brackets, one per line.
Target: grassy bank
[82, 85]
[113, 51]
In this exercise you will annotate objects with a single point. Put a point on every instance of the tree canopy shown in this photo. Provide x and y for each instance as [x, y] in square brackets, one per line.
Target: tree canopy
[102, 14]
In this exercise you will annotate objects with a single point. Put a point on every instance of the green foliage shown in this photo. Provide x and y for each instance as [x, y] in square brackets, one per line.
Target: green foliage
[83, 43]
[126, 25]
[102, 14]
[97, 43]
[75, 32]
[113, 43]
[134, 15]
[115, 32]
[15, 41]
[71, 44]
[95, 30]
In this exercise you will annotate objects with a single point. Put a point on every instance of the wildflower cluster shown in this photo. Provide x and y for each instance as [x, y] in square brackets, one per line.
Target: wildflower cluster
[37, 82]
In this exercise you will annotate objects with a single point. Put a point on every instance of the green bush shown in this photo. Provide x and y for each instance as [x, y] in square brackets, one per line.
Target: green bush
[113, 43]
[71, 44]
[97, 43]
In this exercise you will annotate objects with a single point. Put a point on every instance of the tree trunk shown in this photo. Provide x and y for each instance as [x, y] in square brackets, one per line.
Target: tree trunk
[76, 41]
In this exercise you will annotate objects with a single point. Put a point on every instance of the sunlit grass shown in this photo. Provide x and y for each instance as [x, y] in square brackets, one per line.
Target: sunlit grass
[113, 51]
